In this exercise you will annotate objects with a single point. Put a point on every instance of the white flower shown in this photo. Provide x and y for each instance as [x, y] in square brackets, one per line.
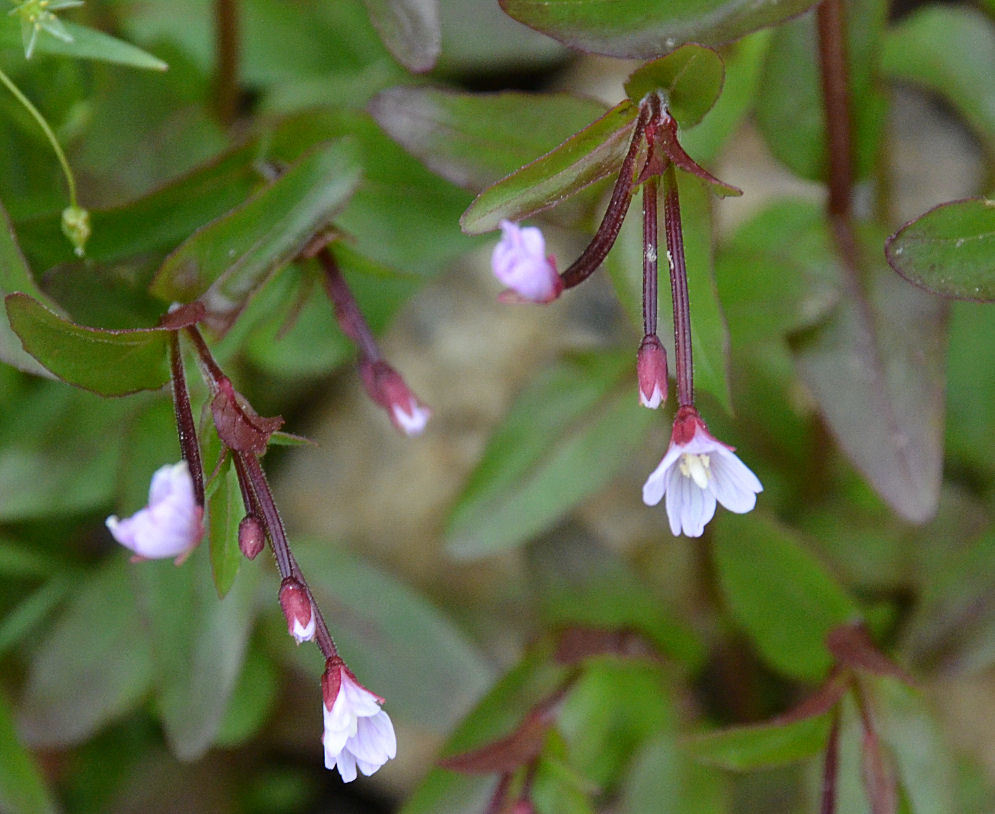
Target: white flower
[697, 471]
[171, 525]
[520, 262]
[358, 733]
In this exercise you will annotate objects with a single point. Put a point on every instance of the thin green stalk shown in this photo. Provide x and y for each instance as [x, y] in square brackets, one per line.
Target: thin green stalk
[70, 180]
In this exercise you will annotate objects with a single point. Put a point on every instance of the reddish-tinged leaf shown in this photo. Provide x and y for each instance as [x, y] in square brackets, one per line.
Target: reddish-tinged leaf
[852, 646]
[575, 644]
[184, 317]
[509, 753]
[820, 702]
[879, 780]
[593, 153]
[238, 425]
[111, 363]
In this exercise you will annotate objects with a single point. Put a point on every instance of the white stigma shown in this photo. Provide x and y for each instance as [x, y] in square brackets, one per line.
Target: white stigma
[695, 467]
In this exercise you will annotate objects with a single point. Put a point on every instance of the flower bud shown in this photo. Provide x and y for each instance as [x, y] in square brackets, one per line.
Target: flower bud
[76, 226]
[251, 537]
[297, 609]
[520, 262]
[651, 369]
[386, 387]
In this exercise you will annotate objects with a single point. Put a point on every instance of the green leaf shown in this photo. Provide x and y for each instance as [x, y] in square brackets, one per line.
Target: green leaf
[950, 250]
[409, 29]
[15, 276]
[198, 645]
[643, 29]
[745, 748]
[924, 761]
[380, 623]
[789, 107]
[690, 78]
[778, 593]
[946, 49]
[226, 261]
[94, 665]
[87, 43]
[876, 369]
[476, 139]
[225, 511]
[592, 153]
[663, 771]
[22, 786]
[111, 363]
[562, 440]
[252, 700]
[31, 611]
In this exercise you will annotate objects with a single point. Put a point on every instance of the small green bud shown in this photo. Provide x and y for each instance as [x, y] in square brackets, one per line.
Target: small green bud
[76, 226]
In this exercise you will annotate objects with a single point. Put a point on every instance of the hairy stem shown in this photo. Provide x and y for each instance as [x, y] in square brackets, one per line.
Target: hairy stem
[347, 313]
[650, 255]
[678, 288]
[597, 250]
[185, 425]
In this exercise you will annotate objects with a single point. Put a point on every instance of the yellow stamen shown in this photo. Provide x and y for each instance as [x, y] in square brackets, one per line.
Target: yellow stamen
[696, 467]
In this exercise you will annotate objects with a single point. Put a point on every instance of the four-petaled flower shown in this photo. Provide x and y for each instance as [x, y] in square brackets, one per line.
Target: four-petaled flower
[697, 471]
[520, 262]
[358, 733]
[171, 525]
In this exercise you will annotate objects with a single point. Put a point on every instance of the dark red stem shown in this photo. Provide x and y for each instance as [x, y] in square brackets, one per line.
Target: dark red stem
[347, 313]
[830, 769]
[678, 288]
[650, 255]
[836, 102]
[185, 426]
[597, 250]
[226, 43]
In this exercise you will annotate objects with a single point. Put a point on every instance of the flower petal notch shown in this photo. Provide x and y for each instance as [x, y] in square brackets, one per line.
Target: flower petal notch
[698, 471]
[520, 262]
[358, 734]
[172, 523]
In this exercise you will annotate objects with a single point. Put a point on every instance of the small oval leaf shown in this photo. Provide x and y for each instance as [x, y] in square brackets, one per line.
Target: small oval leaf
[950, 250]
[691, 77]
[86, 43]
[409, 29]
[111, 363]
[582, 159]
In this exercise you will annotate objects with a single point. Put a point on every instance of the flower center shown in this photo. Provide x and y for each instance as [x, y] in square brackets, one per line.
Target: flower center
[696, 467]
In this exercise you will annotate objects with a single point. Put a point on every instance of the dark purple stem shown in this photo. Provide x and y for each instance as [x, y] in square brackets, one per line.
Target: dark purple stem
[836, 102]
[226, 38]
[212, 373]
[650, 255]
[185, 426]
[347, 312]
[597, 250]
[678, 288]
[830, 769]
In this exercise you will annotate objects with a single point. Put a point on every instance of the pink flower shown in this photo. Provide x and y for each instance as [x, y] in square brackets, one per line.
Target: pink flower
[296, 605]
[171, 525]
[651, 369]
[358, 733]
[697, 471]
[520, 262]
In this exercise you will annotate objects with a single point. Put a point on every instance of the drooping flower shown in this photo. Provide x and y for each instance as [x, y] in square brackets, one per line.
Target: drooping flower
[651, 370]
[520, 262]
[297, 609]
[172, 523]
[358, 733]
[697, 471]
[386, 387]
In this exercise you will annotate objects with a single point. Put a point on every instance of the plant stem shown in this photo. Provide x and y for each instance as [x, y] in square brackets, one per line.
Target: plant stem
[830, 769]
[678, 288]
[226, 32]
[49, 134]
[836, 101]
[611, 223]
[650, 255]
[185, 425]
[347, 313]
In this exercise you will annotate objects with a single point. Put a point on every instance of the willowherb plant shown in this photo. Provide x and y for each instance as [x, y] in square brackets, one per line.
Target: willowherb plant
[264, 209]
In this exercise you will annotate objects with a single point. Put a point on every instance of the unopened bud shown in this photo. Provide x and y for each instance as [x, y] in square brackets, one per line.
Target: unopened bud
[297, 609]
[386, 387]
[651, 369]
[76, 226]
[523, 807]
[251, 537]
